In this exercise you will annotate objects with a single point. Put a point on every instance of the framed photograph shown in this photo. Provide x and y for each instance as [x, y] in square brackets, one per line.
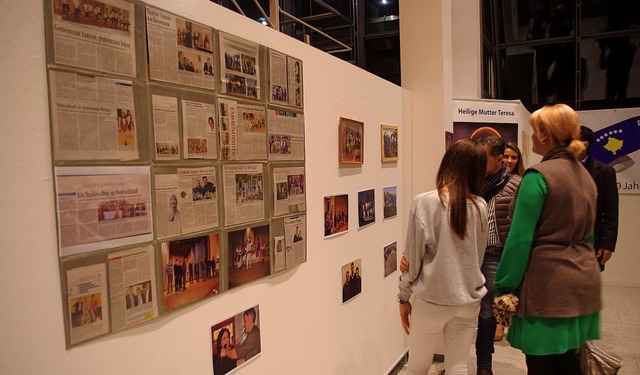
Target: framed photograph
[351, 134]
[389, 143]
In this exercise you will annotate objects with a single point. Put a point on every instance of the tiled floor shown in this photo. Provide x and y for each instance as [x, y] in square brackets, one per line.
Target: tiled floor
[620, 335]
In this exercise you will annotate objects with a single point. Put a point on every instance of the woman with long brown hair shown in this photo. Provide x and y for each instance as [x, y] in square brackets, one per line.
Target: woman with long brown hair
[447, 236]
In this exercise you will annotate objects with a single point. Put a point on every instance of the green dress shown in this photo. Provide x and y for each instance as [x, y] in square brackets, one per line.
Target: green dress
[536, 336]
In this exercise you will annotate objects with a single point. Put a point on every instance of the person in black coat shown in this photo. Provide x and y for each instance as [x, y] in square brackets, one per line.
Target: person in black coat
[606, 227]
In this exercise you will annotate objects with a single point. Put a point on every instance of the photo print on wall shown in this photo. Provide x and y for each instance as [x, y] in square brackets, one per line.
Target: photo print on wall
[336, 214]
[351, 279]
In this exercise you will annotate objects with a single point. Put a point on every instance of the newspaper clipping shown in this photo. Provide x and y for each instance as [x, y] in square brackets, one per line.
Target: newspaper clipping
[279, 87]
[95, 35]
[289, 191]
[199, 130]
[286, 135]
[92, 117]
[168, 205]
[180, 51]
[295, 81]
[279, 260]
[87, 296]
[240, 69]
[295, 240]
[243, 193]
[132, 284]
[102, 207]
[198, 199]
[165, 127]
[243, 131]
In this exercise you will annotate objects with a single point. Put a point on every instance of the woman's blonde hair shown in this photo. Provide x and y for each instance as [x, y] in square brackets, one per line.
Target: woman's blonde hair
[563, 125]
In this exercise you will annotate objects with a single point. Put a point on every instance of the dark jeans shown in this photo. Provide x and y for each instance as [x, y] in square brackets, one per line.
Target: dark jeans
[486, 321]
[554, 364]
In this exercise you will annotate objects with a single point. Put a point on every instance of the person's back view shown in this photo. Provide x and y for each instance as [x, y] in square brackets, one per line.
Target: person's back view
[446, 236]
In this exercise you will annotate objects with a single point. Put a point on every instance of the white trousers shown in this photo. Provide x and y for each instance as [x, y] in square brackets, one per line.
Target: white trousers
[429, 323]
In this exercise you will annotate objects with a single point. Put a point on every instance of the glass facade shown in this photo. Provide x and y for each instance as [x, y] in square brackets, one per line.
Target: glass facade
[580, 52]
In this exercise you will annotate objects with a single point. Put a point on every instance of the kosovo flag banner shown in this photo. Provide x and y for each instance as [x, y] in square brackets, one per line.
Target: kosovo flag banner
[616, 140]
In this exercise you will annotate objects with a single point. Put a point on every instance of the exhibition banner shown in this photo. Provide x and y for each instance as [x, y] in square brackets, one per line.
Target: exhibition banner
[616, 141]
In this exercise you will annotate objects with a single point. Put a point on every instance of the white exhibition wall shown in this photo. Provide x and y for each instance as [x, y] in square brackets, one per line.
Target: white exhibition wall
[305, 327]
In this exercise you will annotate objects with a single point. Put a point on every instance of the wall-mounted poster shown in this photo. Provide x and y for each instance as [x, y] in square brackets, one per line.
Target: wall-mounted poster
[132, 284]
[351, 279]
[95, 35]
[180, 51]
[239, 66]
[236, 340]
[102, 207]
[336, 214]
[92, 117]
[390, 253]
[190, 270]
[249, 257]
[389, 142]
[87, 302]
[390, 199]
[473, 119]
[351, 141]
[366, 207]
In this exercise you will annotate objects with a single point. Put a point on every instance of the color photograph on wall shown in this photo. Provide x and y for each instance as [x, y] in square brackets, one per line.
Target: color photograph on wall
[235, 340]
[249, 257]
[366, 208]
[190, 270]
[390, 199]
[390, 258]
[351, 279]
[336, 214]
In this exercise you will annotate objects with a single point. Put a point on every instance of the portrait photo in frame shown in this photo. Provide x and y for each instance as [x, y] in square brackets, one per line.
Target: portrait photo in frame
[389, 143]
[351, 135]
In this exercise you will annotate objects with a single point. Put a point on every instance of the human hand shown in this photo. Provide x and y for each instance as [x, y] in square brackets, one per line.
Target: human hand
[405, 313]
[604, 255]
[404, 264]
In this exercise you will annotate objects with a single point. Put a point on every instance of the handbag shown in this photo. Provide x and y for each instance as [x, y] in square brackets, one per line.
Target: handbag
[504, 307]
[595, 361]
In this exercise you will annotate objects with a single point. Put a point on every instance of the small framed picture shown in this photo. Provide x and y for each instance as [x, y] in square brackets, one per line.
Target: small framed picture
[389, 143]
[351, 134]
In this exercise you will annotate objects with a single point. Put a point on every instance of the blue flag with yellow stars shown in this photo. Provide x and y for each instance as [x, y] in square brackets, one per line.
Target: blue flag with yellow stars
[616, 140]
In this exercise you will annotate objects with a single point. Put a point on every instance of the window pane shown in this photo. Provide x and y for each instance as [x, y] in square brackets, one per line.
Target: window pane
[612, 68]
[612, 15]
[381, 15]
[383, 58]
[535, 19]
[541, 74]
